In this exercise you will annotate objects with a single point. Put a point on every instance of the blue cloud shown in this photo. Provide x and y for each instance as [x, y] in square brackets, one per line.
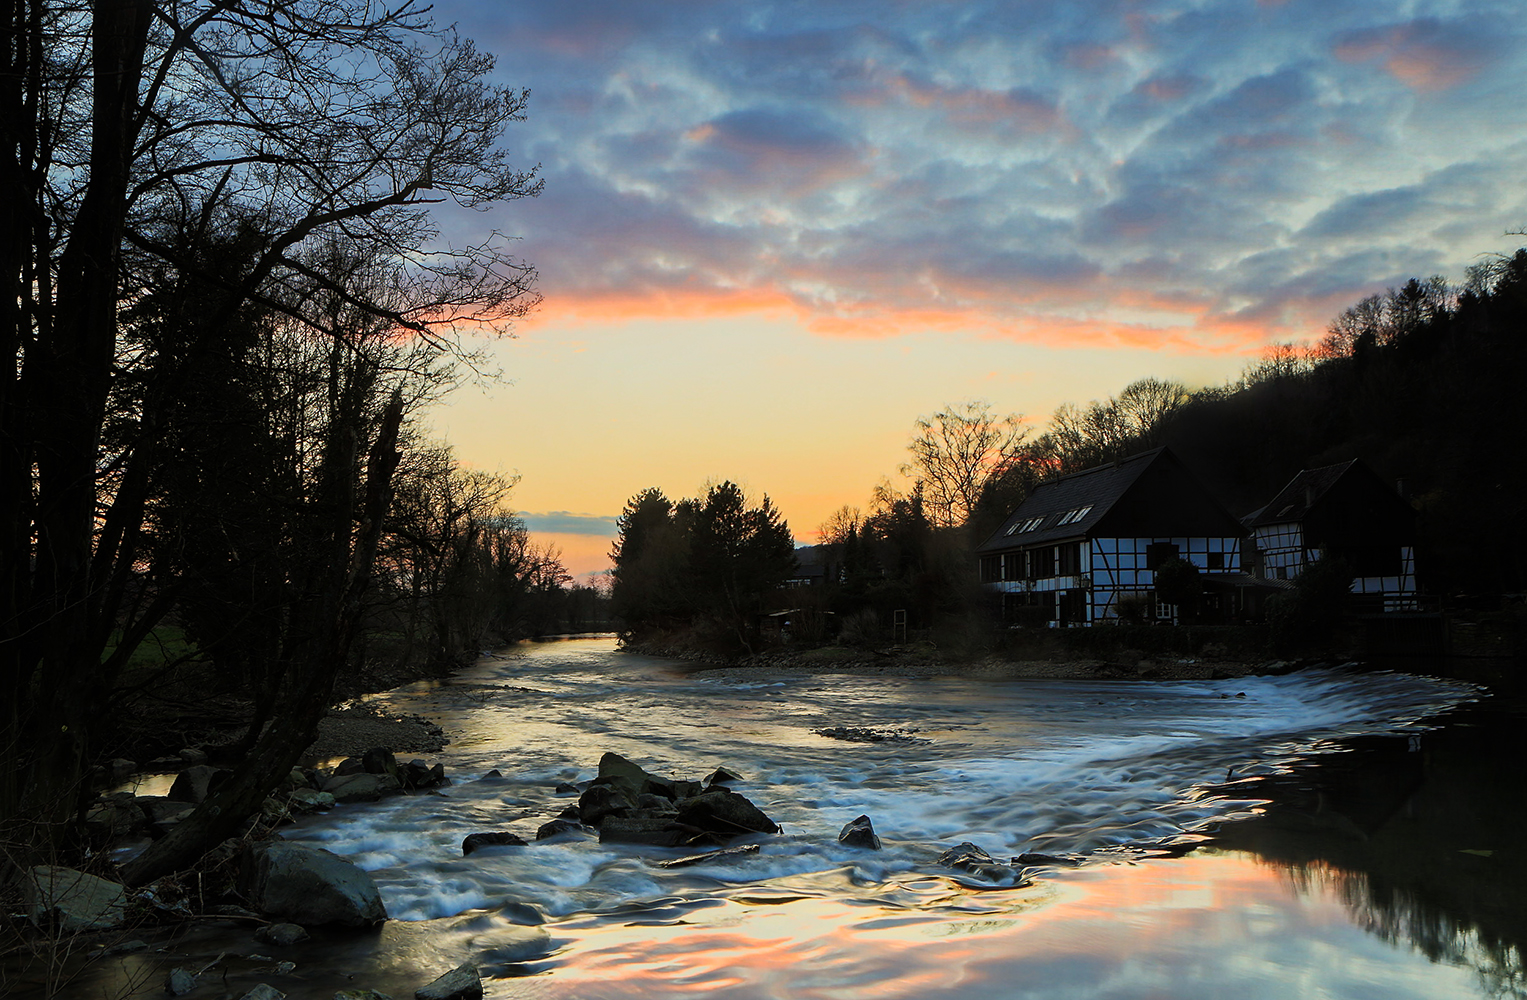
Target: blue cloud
[562, 522]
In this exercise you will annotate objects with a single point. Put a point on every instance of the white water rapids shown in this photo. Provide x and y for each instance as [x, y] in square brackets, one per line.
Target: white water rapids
[1048, 766]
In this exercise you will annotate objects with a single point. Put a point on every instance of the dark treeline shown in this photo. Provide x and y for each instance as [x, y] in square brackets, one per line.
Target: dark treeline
[1423, 383]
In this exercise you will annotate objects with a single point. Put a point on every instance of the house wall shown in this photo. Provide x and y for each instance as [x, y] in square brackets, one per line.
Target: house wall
[1109, 567]
[1284, 555]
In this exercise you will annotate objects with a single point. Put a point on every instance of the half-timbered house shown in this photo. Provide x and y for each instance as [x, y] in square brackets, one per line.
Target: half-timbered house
[1084, 547]
[1341, 511]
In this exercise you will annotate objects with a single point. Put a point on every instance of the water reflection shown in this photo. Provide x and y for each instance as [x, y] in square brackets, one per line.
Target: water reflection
[1417, 836]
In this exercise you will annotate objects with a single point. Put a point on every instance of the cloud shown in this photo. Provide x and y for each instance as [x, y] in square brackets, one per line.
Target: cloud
[1200, 174]
[1426, 54]
[562, 522]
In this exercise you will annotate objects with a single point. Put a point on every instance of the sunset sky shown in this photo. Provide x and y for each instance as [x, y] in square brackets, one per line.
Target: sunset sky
[773, 234]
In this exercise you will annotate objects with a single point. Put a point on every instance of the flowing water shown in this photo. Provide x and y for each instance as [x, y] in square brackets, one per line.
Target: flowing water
[1243, 837]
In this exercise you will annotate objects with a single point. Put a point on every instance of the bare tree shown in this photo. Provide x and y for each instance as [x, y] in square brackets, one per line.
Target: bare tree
[322, 133]
[955, 451]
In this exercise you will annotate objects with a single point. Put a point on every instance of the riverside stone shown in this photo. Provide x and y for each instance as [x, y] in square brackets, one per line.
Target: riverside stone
[264, 991]
[194, 784]
[859, 833]
[719, 810]
[499, 838]
[461, 983]
[73, 901]
[281, 934]
[309, 886]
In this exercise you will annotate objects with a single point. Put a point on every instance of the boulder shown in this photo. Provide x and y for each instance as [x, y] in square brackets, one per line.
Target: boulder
[264, 992]
[194, 784]
[559, 827]
[723, 775]
[308, 886]
[627, 776]
[308, 800]
[461, 983]
[360, 786]
[114, 819]
[192, 756]
[859, 833]
[970, 858]
[724, 812]
[73, 901]
[501, 838]
[418, 774]
[361, 995]
[281, 934]
[181, 982]
[603, 800]
[380, 760]
[655, 831]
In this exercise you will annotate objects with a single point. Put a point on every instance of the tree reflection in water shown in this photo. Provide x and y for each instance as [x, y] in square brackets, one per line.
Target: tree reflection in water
[1418, 836]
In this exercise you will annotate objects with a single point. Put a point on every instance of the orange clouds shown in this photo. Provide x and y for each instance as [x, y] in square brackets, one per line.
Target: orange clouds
[1425, 55]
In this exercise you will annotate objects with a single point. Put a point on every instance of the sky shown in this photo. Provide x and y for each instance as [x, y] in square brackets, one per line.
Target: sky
[772, 235]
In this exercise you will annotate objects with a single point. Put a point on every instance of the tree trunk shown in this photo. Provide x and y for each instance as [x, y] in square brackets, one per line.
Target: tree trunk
[224, 813]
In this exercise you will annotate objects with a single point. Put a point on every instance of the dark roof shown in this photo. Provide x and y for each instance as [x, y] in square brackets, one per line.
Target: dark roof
[1097, 489]
[1302, 492]
[1149, 494]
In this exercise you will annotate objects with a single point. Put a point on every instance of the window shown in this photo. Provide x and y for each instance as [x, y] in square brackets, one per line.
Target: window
[1012, 565]
[1021, 527]
[1042, 562]
[1157, 553]
[1073, 516]
[1071, 559]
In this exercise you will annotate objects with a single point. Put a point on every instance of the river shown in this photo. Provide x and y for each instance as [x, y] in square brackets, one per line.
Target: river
[1339, 833]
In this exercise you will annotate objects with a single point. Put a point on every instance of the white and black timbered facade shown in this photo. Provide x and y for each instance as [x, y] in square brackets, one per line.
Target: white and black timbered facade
[1341, 511]
[1084, 547]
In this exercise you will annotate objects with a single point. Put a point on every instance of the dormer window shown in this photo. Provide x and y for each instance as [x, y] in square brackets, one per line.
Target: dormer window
[1073, 516]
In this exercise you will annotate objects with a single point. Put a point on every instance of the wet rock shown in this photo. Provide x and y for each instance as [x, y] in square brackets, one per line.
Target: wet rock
[362, 995]
[361, 786]
[1055, 860]
[859, 833]
[563, 788]
[495, 773]
[194, 784]
[970, 858]
[629, 777]
[348, 766]
[721, 855]
[281, 934]
[601, 800]
[418, 774]
[120, 769]
[380, 760]
[303, 801]
[264, 992]
[73, 901]
[721, 811]
[114, 819]
[192, 756]
[558, 828]
[308, 886]
[461, 983]
[181, 982]
[501, 838]
[723, 775]
[653, 831]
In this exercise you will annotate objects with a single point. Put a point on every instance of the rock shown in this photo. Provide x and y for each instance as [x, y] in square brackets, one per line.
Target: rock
[559, 827]
[309, 800]
[501, 838]
[360, 786]
[720, 811]
[113, 820]
[418, 774]
[495, 773]
[968, 857]
[380, 760]
[722, 775]
[461, 983]
[73, 901]
[264, 992]
[563, 788]
[603, 800]
[193, 756]
[859, 833]
[281, 934]
[308, 886]
[625, 775]
[656, 831]
[194, 784]
[1064, 861]
[120, 769]
[181, 982]
[709, 856]
[361, 995]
